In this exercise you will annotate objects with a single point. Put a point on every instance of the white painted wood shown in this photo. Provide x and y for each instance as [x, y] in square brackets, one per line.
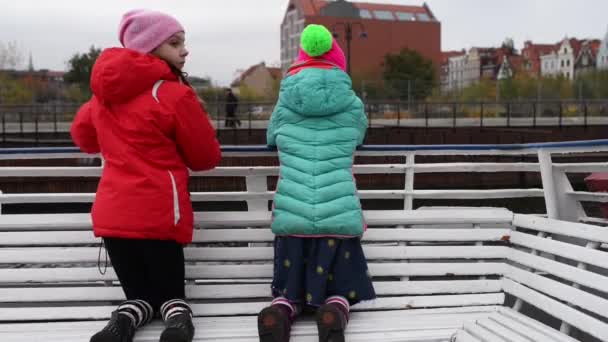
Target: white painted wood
[549, 186]
[502, 331]
[526, 321]
[574, 317]
[53, 255]
[239, 291]
[255, 185]
[582, 196]
[482, 333]
[91, 274]
[581, 167]
[558, 290]
[476, 167]
[66, 238]
[27, 222]
[567, 250]
[567, 272]
[572, 229]
[529, 332]
[410, 162]
[25, 314]
[463, 336]
[409, 325]
[570, 209]
[264, 196]
[47, 198]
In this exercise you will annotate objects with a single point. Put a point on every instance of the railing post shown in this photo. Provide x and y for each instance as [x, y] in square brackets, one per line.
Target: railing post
[508, 114]
[548, 180]
[481, 113]
[250, 115]
[426, 115]
[561, 113]
[410, 162]
[399, 113]
[36, 127]
[454, 109]
[534, 109]
[586, 111]
[257, 184]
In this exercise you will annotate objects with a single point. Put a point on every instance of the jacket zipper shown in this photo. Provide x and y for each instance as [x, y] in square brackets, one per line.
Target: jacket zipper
[176, 214]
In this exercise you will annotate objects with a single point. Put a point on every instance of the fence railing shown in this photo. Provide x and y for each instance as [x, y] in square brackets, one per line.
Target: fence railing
[561, 201]
[49, 120]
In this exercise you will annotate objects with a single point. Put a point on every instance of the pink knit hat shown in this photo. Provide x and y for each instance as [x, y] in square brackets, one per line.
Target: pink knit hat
[335, 56]
[144, 30]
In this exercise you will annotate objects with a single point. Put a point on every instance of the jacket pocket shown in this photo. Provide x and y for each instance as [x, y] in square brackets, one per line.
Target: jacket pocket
[176, 213]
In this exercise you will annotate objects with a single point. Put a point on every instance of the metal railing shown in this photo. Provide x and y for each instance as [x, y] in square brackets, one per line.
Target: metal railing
[41, 121]
[561, 201]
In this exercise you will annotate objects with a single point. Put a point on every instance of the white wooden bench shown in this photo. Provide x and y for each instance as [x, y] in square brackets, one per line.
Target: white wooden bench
[440, 275]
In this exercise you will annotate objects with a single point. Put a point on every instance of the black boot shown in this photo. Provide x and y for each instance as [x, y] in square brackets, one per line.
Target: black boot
[179, 328]
[331, 323]
[274, 324]
[120, 328]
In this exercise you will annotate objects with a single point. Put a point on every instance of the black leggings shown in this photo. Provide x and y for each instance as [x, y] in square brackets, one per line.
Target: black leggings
[151, 270]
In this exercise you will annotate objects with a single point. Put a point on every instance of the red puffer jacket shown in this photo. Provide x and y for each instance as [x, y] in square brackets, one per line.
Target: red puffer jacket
[149, 129]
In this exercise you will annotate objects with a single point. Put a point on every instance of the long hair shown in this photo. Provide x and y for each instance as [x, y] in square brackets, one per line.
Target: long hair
[182, 76]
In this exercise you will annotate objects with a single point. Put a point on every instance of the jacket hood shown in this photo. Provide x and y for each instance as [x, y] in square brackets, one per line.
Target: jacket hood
[122, 74]
[317, 92]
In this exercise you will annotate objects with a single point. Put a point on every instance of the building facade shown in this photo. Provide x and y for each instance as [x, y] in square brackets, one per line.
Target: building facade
[375, 31]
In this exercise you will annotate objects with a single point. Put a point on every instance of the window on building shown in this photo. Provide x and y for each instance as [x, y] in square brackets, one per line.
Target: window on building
[568, 63]
[423, 17]
[365, 14]
[384, 15]
[405, 16]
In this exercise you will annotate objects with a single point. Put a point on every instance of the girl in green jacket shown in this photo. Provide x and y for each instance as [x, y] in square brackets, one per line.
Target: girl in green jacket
[319, 263]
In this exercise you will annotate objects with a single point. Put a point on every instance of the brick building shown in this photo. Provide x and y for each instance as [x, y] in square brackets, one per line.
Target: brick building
[388, 29]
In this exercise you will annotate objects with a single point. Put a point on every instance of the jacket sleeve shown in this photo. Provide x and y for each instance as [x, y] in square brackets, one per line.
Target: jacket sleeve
[271, 135]
[194, 135]
[362, 123]
[83, 131]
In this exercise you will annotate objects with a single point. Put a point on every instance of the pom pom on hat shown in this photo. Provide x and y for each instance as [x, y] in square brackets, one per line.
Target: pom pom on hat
[316, 40]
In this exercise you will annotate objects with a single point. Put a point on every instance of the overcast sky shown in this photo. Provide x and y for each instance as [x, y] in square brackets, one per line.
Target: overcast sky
[226, 35]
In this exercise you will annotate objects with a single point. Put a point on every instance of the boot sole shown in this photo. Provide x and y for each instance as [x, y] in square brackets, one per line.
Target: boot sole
[272, 325]
[330, 323]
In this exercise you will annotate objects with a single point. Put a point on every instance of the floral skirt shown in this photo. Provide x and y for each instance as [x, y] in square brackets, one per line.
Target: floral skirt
[309, 270]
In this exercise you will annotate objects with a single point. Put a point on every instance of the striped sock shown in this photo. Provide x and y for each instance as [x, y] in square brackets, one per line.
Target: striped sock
[175, 307]
[341, 303]
[294, 309]
[139, 311]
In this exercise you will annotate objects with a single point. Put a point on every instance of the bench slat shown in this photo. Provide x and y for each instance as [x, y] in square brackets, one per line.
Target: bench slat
[572, 229]
[567, 250]
[53, 238]
[407, 325]
[91, 274]
[557, 309]
[115, 293]
[74, 255]
[567, 272]
[501, 331]
[36, 222]
[534, 332]
[249, 308]
[558, 290]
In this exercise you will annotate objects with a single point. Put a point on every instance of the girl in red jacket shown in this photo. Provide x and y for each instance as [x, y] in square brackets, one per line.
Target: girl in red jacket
[148, 125]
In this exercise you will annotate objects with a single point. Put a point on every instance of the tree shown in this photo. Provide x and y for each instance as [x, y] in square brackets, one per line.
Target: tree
[11, 56]
[409, 73]
[80, 67]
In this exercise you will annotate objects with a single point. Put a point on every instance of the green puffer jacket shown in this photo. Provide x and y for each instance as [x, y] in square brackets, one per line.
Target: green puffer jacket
[316, 126]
